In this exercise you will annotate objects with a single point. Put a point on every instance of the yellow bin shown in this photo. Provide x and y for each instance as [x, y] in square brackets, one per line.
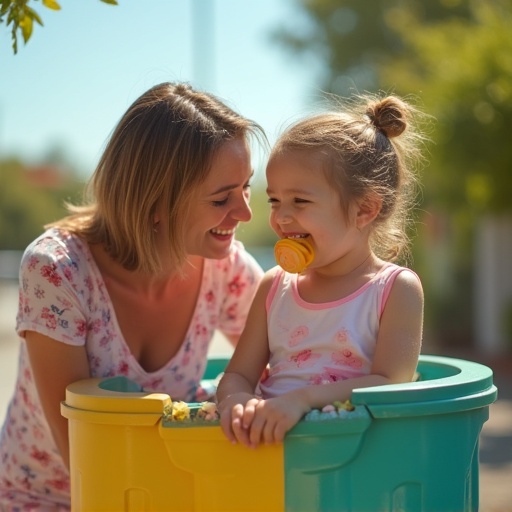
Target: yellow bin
[122, 459]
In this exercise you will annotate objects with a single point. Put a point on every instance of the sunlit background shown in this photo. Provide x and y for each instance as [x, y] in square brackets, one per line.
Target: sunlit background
[62, 93]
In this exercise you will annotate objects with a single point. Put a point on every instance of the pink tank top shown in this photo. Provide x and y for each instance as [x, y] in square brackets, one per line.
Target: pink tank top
[322, 343]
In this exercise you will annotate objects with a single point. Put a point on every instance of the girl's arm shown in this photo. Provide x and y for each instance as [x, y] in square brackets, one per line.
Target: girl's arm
[245, 368]
[395, 360]
[55, 365]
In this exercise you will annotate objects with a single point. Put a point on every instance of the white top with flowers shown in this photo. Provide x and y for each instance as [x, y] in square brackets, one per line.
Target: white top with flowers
[63, 296]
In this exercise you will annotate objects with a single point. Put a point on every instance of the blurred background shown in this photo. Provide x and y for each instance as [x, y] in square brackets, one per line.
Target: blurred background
[62, 93]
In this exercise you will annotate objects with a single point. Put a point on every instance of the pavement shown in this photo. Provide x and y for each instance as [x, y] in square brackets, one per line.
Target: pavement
[495, 439]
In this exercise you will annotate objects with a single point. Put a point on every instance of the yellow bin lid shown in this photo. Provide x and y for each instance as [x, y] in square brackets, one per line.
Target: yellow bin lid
[114, 395]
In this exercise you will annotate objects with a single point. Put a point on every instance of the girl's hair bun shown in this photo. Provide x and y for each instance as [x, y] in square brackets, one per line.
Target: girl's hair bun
[388, 115]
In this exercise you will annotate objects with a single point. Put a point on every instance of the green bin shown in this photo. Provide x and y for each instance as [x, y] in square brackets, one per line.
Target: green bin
[417, 451]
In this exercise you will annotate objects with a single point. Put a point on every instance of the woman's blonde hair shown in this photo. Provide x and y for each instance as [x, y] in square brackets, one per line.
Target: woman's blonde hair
[368, 146]
[160, 151]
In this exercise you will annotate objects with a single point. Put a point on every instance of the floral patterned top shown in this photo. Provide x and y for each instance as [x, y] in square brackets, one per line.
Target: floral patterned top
[63, 296]
[322, 343]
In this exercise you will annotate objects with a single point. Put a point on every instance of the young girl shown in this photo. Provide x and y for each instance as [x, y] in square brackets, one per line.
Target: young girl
[341, 185]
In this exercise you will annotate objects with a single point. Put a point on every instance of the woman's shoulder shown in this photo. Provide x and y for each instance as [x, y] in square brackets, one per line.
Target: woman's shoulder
[55, 242]
[239, 261]
[56, 248]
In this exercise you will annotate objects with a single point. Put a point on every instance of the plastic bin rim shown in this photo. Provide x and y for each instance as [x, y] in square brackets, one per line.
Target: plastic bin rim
[89, 395]
[465, 379]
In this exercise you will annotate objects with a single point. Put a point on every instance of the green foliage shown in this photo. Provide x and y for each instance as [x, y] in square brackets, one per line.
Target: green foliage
[24, 208]
[355, 38]
[455, 57]
[463, 69]
[21, 17]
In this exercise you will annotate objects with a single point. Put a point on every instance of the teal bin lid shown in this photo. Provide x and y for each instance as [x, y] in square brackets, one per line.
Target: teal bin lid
[445, 385]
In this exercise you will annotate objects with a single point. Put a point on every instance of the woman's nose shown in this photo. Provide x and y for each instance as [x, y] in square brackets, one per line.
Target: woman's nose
[242, 212]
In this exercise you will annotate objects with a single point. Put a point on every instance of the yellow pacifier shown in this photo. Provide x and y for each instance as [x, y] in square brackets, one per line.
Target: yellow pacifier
[293, 254]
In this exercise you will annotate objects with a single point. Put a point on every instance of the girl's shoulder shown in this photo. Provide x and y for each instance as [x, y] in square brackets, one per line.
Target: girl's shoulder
[270, 284]
[393, 272]
[402, 282]
[273, 276]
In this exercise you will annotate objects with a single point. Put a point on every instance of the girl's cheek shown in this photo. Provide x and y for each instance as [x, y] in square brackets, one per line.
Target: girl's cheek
[273, 224]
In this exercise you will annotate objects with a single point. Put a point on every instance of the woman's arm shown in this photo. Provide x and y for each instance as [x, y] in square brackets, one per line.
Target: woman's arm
[55, 365]
[395, 360]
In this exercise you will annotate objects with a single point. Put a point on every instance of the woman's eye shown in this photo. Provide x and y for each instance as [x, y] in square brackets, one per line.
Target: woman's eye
[222, 202]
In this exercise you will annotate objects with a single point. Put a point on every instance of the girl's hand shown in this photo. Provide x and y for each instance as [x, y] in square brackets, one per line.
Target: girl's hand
[269, 420]
[231, 410]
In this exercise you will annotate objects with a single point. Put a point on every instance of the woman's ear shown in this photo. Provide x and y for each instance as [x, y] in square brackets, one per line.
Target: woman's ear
[367, 210]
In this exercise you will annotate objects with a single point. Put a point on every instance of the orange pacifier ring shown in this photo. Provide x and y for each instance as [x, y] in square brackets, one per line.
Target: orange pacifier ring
[293, 254]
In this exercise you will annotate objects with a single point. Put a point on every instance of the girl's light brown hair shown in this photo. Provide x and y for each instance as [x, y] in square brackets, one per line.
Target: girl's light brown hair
[160, 151]
[368, 147]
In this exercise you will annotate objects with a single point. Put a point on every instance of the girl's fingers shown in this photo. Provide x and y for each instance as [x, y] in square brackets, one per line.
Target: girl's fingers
[240, 432]
[249, 412]
[279, 431]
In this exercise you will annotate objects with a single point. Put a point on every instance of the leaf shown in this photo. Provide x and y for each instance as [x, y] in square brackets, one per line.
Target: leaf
[26, 26]
[33, 14]
[4, 6]
[110, 2]
[52, 4]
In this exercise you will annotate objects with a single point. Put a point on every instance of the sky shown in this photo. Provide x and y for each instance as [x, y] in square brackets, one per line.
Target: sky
[70, 84]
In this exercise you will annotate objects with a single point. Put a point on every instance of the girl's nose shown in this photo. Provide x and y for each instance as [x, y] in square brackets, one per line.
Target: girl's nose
[281, 216]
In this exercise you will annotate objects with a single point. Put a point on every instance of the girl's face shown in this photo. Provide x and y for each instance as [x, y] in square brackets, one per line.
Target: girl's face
[221, 202]
[304, 204]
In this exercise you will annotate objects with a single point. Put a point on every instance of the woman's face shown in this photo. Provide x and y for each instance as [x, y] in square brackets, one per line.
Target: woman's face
[220, 202]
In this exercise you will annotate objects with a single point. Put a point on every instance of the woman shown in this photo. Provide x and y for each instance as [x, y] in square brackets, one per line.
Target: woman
[133, 282]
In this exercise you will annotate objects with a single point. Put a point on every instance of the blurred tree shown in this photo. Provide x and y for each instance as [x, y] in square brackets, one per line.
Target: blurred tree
[463, 69]
[22, 17]
[456, 56]
[355, 39]
[25, 207]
